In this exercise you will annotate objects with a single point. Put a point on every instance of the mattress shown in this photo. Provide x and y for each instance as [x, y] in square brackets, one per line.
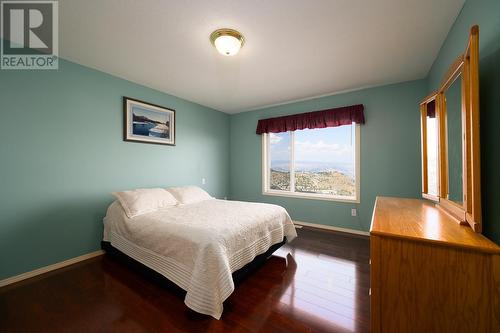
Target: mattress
[198, 246]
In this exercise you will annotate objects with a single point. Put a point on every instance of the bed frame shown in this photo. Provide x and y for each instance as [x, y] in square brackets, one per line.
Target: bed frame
[238, 276]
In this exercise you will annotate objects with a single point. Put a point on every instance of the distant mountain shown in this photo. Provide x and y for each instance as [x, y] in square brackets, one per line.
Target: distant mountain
[313, 166]
[144, 119]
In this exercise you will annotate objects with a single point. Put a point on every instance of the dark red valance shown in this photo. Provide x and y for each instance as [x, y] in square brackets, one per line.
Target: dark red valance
[431, 109]
[318, 119]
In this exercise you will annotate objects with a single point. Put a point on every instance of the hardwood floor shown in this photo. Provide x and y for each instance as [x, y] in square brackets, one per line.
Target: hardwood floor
[318, 283]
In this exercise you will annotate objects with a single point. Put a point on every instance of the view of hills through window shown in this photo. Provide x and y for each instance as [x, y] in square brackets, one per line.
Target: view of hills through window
[320, 161]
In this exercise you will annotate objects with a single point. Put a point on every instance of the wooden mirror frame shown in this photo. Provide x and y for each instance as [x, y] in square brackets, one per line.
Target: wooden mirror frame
[456, 71]
[423, 127]
[466, 66]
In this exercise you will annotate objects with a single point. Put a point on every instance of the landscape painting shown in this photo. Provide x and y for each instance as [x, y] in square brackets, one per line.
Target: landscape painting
[149, 123]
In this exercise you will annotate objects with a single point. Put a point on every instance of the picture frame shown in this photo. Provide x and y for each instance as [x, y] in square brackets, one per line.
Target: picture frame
[148, 123]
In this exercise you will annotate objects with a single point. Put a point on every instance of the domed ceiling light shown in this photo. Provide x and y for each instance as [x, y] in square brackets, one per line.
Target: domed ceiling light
[227, 41]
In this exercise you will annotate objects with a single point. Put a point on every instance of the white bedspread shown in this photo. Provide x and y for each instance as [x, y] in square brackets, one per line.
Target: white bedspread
[198, 246]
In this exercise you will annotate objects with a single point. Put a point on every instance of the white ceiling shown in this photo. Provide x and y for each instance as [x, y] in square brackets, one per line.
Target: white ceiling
[295, 49]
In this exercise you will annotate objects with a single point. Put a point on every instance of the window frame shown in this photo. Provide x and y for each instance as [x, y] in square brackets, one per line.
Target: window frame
[292, 194]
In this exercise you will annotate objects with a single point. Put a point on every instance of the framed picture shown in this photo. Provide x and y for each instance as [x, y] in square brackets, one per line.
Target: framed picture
[148, 123]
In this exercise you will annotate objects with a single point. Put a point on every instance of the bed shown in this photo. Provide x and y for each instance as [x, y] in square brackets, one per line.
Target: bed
[199, 245]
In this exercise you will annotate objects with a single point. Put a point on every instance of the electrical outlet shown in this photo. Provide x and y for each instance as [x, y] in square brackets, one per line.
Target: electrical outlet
[203, 181]
[354, 212]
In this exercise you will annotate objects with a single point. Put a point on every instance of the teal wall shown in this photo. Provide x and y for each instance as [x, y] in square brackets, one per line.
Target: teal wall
[62, 154]
[390, 153]
[485, 13]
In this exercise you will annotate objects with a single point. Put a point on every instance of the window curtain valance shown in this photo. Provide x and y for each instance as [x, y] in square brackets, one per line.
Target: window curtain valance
[318, 119]
[431, 109]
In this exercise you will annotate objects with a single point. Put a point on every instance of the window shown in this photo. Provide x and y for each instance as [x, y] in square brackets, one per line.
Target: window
[318, 163]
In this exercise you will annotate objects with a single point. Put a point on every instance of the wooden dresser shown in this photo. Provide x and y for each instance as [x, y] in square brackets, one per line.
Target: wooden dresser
[430, 274]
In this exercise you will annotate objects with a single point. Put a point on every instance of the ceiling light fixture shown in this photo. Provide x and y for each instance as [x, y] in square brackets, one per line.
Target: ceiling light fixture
[227, 41]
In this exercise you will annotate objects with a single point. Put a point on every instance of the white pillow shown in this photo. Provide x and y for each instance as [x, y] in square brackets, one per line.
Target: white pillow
[144, 200]
[189, 194]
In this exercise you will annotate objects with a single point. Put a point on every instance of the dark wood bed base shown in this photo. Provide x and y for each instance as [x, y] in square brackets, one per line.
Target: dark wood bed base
[151, 274]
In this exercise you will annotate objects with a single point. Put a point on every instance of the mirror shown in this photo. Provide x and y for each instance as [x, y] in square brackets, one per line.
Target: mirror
[454, 130]
[450, 139]
[430, 158]
[432, 151]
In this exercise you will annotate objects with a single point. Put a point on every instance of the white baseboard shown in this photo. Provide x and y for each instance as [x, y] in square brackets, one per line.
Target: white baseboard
[75, 260]
[329, 227]
[49, 268]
